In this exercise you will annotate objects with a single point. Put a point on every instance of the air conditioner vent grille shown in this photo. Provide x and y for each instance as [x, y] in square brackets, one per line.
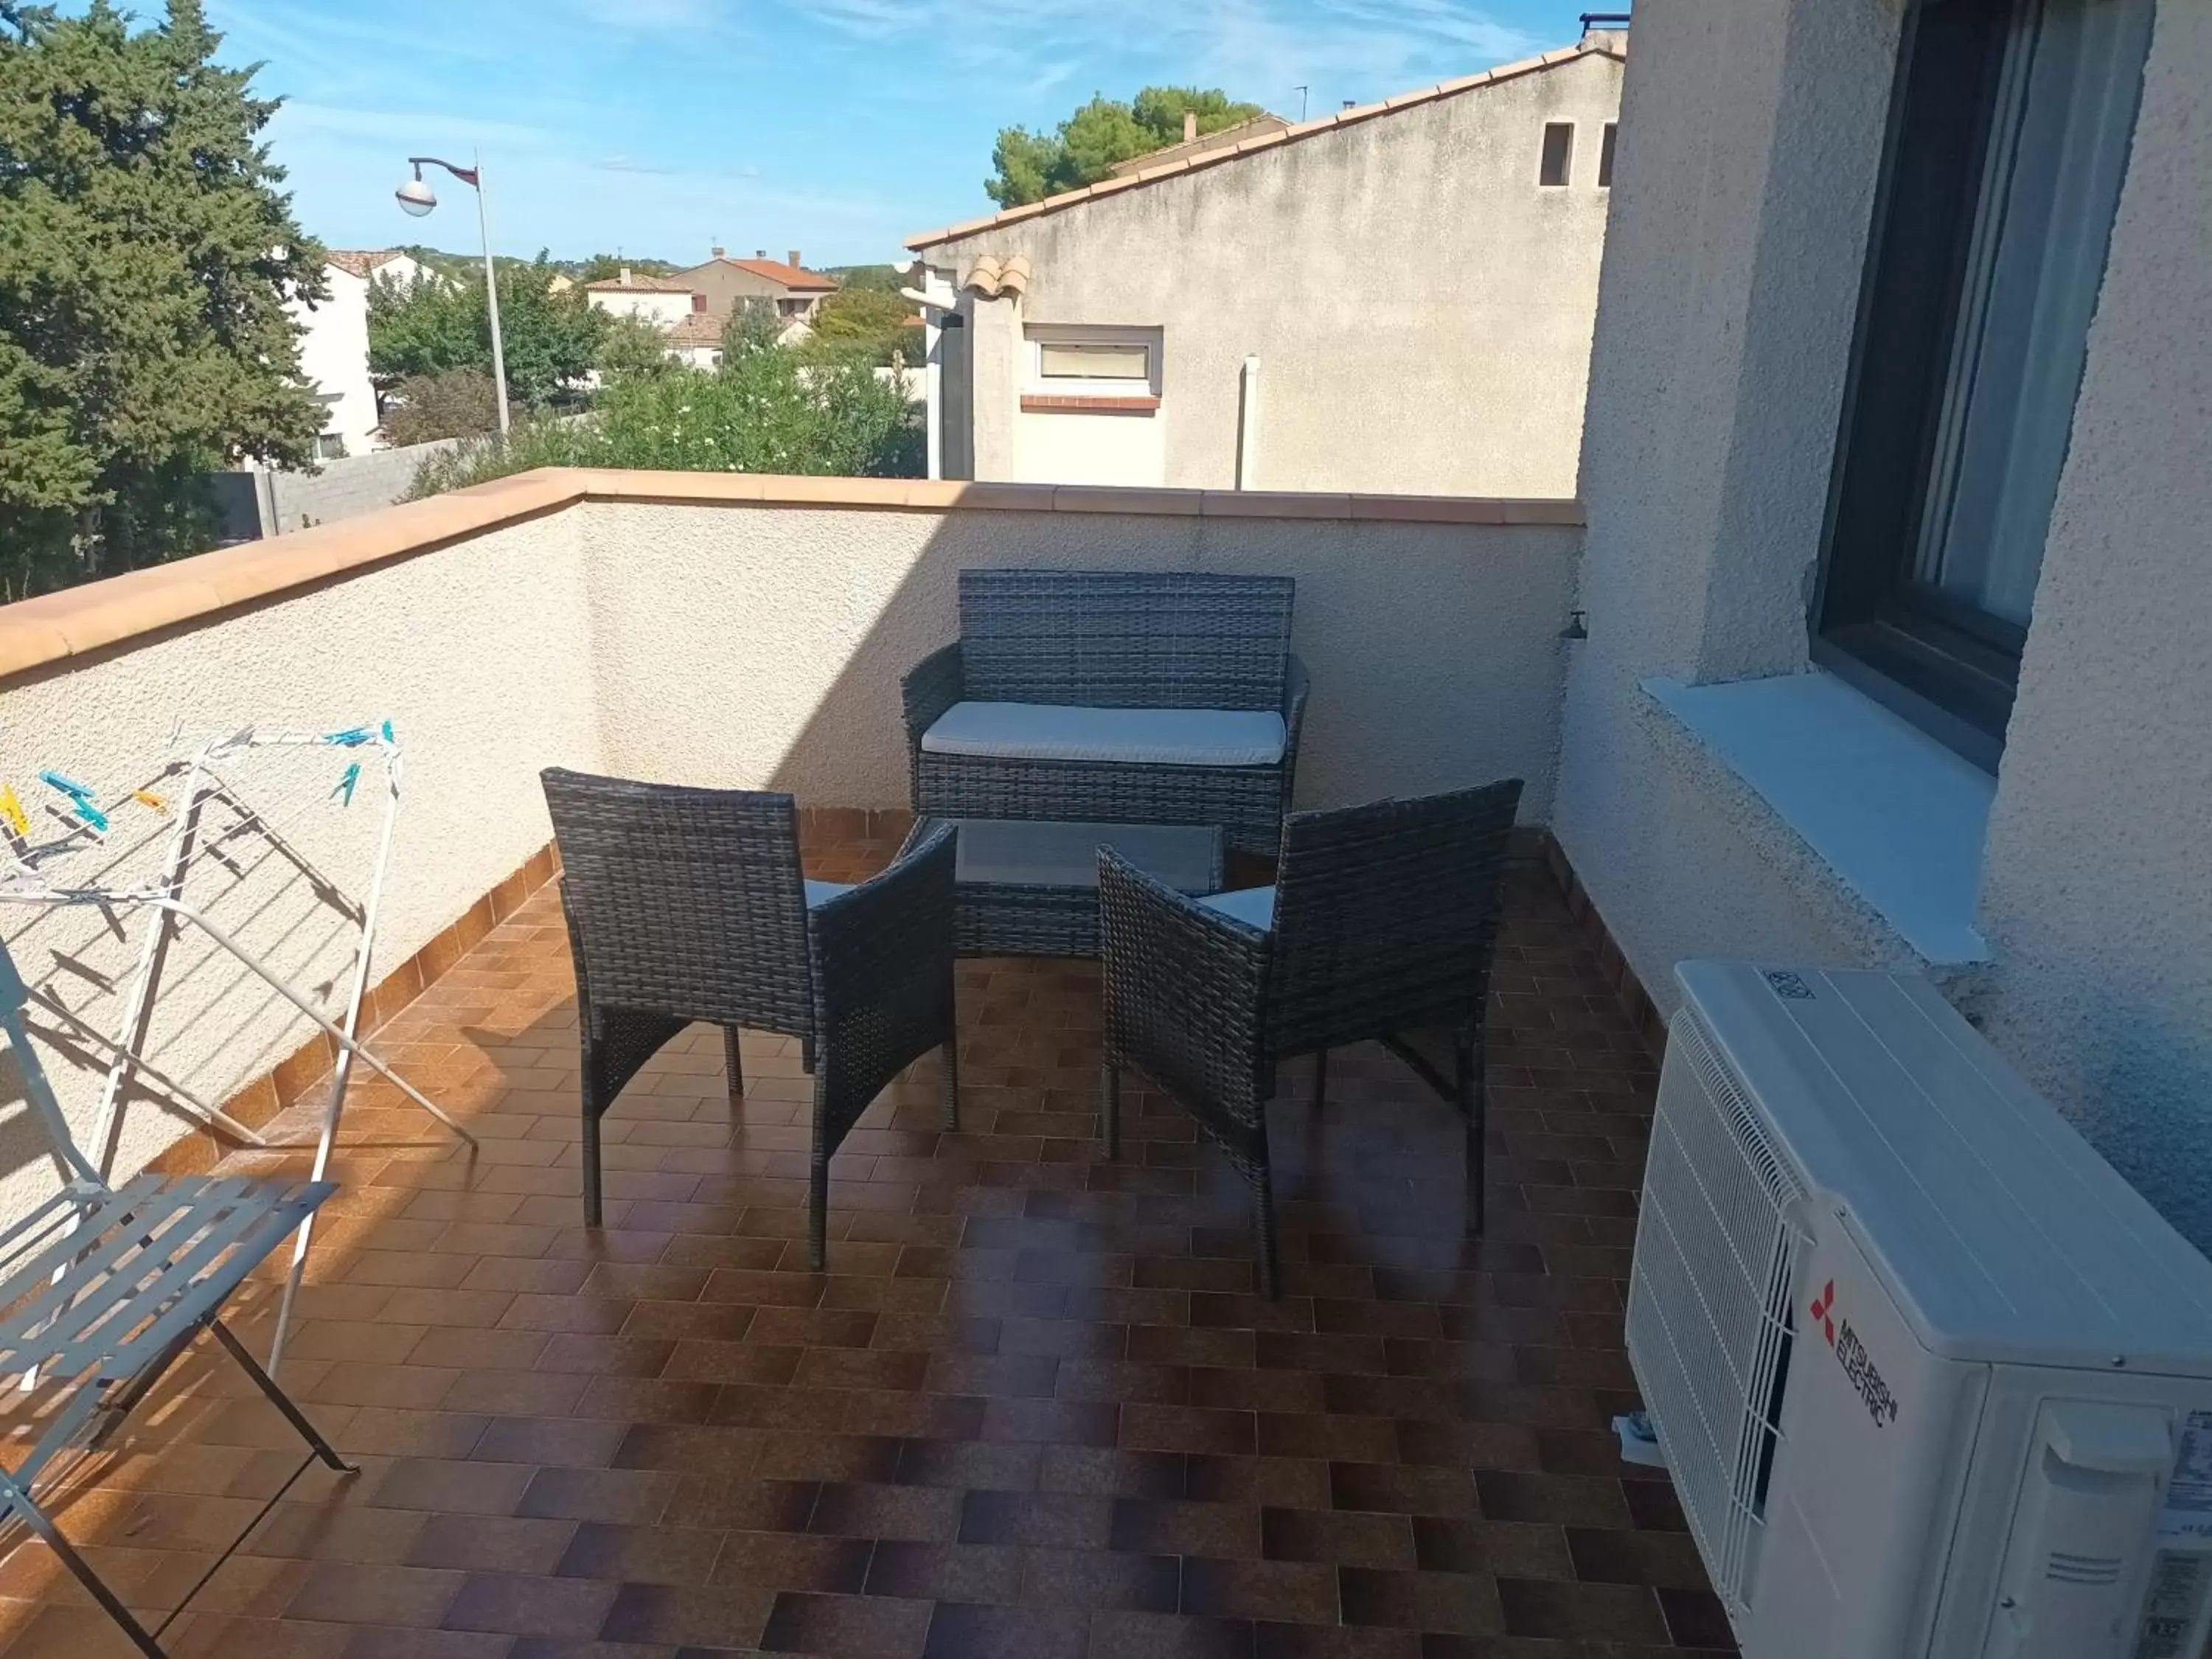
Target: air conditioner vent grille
[1709, 1304]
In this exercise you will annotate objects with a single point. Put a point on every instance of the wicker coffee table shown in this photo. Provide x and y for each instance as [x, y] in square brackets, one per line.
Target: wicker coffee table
[1031, 887]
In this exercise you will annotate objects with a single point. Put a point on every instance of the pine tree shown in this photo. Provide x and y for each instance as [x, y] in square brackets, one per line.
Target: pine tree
[146, 256]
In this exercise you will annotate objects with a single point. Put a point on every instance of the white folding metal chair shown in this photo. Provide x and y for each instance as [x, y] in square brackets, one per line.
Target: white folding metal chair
[104, 1288]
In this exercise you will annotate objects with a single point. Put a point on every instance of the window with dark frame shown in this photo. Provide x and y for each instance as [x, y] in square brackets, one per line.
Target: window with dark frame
[2008, 140]
[1558, 153]
[1605, 155]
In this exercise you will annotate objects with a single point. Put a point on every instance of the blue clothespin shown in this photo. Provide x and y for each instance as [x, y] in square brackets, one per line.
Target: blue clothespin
[352, 737]
[388, 737]
[68, 786]
[89, 814]
[347, 782]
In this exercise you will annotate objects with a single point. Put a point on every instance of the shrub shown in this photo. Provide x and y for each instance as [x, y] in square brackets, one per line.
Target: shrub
[763, 411]
[461, 403]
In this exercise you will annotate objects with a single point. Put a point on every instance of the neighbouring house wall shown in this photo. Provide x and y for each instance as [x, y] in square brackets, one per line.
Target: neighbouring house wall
[1433, 648]
[2098, 896]
[1750, 146]
[478, 654]
[1420, 305]
[334, 356]
[664, 310]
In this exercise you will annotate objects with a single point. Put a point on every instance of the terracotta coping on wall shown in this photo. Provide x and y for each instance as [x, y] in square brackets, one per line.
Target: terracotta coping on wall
[55, 626]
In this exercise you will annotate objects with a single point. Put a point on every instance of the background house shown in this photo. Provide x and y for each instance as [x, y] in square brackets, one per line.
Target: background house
[1397, 297]
[663, 302]
[334, 352]
[795, 292]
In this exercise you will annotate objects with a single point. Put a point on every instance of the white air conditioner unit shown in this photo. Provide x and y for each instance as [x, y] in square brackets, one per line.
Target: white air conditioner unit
[1933, 1382]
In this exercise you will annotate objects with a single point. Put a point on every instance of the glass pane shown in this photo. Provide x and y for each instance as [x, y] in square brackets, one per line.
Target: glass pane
[2066, 113]
[1067, 360]
[1559, 152]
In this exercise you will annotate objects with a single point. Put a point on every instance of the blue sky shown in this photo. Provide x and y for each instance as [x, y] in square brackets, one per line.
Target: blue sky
[837, 127]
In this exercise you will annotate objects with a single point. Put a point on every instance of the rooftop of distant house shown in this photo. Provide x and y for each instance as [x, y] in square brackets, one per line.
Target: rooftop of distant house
[361, 261]
[787, 273]
[637, 282]
[1195, 142]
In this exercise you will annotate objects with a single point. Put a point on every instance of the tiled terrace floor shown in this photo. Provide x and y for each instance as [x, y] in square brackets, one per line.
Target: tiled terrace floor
[1034, 1408]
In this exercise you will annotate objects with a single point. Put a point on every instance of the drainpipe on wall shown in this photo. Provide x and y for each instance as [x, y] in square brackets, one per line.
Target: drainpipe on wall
[1248, 425]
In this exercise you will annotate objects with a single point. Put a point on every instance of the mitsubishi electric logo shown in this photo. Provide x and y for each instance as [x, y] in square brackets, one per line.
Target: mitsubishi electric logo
[1850, 1354]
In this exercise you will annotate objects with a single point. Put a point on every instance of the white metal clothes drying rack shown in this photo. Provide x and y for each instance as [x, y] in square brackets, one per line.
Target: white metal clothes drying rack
[228, 805]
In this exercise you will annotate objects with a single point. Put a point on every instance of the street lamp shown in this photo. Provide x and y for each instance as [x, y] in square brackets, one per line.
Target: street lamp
[417, 198]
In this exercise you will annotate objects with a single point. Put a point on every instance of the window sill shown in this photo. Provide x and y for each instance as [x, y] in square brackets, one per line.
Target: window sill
[1035, 404]
[1898, 817]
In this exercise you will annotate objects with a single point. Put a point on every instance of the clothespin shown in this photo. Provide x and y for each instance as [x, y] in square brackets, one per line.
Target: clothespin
[147, 798]
[12, 811]
[388, 737]
[89, 815]
[352, 737]
[68, 786]
[346, 783]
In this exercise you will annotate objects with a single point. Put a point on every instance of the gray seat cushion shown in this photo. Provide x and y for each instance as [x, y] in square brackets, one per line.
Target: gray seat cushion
[1252, 906]
[1057, 731]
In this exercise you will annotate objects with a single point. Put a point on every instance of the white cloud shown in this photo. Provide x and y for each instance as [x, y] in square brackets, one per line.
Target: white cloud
[1254, 48]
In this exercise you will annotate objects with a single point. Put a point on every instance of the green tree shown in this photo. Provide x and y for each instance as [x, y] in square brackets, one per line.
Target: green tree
[551, 340]
[461, 403]
[631, 347]
[147, 256]
[764, 411]
[864, 324]
[601, 267]
[1029, 167]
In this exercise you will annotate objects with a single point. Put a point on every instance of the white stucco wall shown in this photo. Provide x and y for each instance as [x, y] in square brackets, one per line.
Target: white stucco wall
[664, 310]
[2099, 895]
[334, 356]
[1750, 144]
[1421, 306]
[1432, 649]
[476, 652]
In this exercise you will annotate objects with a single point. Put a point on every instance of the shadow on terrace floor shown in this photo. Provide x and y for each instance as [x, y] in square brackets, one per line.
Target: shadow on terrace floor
[1033, 1408]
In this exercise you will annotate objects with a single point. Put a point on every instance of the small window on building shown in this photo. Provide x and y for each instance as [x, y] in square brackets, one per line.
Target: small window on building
[1605, 155]
[1064, 360]
[330, 447]
[699, 300]
[1559, 152]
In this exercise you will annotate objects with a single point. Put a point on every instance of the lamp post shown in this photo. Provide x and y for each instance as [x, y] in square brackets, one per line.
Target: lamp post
[417, 198]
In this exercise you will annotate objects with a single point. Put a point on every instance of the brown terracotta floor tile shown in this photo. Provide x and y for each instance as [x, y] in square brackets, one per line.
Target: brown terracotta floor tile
[1034, 1408]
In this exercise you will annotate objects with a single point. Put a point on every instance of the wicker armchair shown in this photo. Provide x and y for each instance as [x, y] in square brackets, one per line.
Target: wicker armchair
[1125, 646]
[688, 905]
[1383, 922]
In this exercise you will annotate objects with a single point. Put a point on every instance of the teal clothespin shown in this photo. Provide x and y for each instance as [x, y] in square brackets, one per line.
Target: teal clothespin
[352, 737]
[80, 799]
[388, 737]
[346, 783]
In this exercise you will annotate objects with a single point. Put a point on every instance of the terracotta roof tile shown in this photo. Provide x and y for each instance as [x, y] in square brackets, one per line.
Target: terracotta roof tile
[1198, 160]
[637, 282]
[775, 270]
[359, 261]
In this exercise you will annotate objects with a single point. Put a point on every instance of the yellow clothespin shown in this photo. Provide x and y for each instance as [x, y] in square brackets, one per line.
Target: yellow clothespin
[12, 810]
[147, 798]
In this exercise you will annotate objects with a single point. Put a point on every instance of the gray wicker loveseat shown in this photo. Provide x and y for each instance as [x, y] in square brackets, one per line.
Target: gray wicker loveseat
[1114, 698]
